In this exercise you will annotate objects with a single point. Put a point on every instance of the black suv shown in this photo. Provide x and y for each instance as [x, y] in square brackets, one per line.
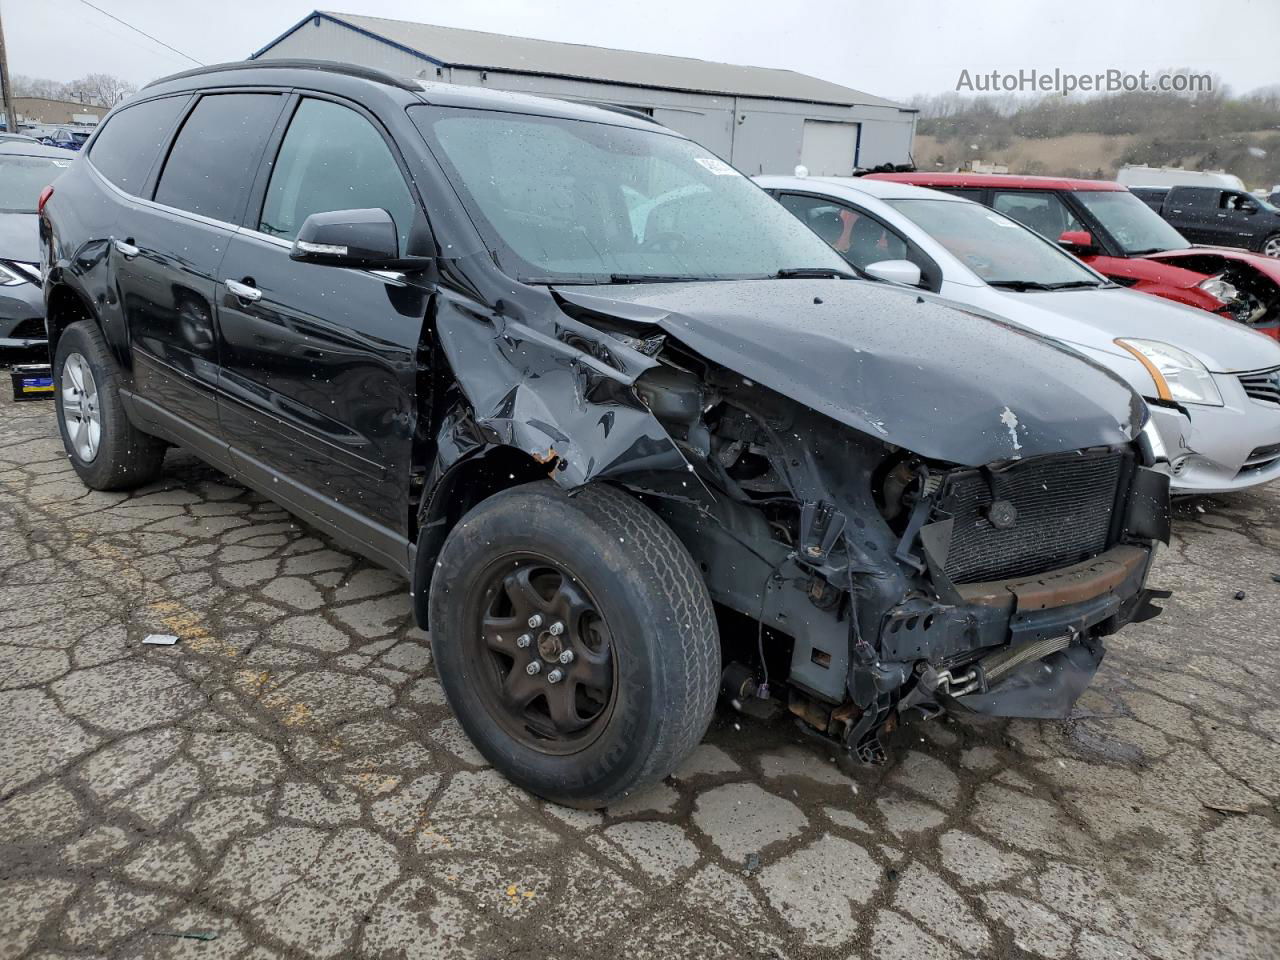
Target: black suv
[630, 430]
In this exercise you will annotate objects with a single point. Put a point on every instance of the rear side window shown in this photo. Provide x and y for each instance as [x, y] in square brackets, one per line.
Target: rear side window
[132, 139]
[332, 158]
[216, 153]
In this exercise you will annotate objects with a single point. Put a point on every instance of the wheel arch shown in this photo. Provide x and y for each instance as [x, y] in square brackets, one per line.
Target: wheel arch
[63, 307]
[456, 490]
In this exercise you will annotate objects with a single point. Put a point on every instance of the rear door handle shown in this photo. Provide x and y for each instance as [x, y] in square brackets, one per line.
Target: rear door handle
[244, 291]
[127, 249]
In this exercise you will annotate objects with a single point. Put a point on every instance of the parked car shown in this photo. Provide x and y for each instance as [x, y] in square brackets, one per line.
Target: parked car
[65, 138]
[1210, 382]
[611, 454]
[1122, 238]
[16, 138]
[25, 170]
[1212, 215]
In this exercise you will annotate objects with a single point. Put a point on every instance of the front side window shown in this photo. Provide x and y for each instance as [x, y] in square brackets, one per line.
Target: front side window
[22, 178]
[561, 200]
[332, 158]
[1135, 227]
[996, 248]
[858, 237]
[1042, 211]
[215, 156]
[127, 146]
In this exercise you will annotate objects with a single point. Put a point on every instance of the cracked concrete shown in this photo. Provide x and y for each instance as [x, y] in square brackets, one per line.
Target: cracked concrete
[289, 779]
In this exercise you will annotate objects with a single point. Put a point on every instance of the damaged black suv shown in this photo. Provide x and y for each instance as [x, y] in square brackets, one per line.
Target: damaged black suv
[631, 431]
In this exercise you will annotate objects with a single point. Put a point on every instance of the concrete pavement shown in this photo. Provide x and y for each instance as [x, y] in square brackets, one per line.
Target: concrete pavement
[287, 781]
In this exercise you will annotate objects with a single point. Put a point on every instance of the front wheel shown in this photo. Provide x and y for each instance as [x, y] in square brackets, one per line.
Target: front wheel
[1271, 246]
[575, 641]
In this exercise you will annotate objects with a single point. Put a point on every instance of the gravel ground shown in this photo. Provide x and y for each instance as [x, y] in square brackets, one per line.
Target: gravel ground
[287, 781]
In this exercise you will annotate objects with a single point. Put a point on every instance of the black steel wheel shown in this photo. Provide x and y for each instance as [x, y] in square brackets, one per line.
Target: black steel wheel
[542, 644]
[575, 641]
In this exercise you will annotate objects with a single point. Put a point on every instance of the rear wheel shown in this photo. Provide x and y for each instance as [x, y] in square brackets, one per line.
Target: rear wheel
[106, 450]
[575, 641]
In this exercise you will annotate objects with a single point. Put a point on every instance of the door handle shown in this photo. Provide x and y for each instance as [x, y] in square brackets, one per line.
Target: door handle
[244, 291]
[127, 249]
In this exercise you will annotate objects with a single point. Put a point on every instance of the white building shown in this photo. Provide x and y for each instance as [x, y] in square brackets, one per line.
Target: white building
[761, 120]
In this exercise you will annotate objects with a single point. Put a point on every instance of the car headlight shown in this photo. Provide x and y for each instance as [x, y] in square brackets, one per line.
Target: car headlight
[1178, 375]
[11, 276]
[1217, 287]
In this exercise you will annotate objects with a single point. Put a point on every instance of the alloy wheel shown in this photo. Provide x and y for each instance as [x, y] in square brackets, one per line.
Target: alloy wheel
[80, 410]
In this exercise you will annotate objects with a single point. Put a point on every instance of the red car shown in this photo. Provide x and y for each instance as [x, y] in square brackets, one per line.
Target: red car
[1122, 238]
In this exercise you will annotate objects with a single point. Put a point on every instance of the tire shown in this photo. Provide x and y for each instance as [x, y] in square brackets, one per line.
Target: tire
[646, 605]
[87, 379]
[1270, 247]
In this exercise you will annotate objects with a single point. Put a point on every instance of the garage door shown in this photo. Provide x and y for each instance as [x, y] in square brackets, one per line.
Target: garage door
[829, 148]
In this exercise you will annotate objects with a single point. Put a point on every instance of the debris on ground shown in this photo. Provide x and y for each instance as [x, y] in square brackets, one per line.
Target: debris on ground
[1225, 808]
[160, 639]
[1239, 594]
[186, 935]
[1276, 577]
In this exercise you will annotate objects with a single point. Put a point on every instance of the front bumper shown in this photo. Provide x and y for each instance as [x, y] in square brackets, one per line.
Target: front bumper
[1221, 449]
[1027, 647]
[21, 316]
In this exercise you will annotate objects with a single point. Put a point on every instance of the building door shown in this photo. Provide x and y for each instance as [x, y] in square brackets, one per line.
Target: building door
[829, 148]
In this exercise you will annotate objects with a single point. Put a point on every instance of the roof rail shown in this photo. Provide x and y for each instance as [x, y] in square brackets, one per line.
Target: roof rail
[614, 108]
[328, 66]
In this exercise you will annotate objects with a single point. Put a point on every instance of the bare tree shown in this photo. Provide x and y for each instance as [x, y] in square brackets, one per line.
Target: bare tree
[24, 86]
[102, 89]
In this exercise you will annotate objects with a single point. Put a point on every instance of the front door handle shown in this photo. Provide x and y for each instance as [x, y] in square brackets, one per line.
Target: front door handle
[127, 249]
[244, 291]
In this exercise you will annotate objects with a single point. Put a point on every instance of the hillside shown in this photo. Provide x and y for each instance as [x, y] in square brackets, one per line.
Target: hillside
[1093, 138]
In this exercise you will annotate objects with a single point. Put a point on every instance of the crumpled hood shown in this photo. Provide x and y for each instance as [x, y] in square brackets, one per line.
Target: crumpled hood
[946, 383]
[20, 237]
[1095, 318]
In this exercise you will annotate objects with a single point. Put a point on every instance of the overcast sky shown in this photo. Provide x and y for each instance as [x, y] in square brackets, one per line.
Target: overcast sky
[892, 48]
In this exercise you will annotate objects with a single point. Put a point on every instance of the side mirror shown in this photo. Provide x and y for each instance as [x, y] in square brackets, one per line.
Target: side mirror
[349, 238]
[1077, 241]
[902, 272]
[1249, 209]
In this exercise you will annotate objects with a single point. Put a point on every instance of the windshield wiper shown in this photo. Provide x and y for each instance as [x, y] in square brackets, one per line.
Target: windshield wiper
[1020, 285]
[801, 273]
[652, 278]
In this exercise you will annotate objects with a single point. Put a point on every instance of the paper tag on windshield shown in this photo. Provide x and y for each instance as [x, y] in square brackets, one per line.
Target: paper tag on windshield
[62, 163]
[716, 166]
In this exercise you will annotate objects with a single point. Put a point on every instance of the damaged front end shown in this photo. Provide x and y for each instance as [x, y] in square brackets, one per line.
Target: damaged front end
[880, 530]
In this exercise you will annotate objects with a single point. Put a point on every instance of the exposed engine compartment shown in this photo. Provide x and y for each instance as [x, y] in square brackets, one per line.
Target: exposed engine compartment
[883, 570]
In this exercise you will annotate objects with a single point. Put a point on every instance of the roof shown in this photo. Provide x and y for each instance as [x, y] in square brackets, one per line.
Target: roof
[835, 186]
[453, 47]
[923, 178]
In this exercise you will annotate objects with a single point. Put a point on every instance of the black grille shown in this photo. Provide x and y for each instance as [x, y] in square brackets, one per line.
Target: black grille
[1264, 385]
[1064, 507]
[30, 329]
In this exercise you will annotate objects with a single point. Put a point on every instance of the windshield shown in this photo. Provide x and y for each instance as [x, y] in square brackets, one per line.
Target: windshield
[997, 248]
[561, 200]
[22, 179]
[1132, 224]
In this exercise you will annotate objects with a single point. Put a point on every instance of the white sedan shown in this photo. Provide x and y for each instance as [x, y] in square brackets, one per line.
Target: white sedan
[1211, 383]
